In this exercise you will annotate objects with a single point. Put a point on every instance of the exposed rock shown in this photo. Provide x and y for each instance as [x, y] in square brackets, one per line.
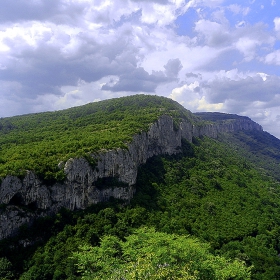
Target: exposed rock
[12, 218]
[9, 187]
[81, 189]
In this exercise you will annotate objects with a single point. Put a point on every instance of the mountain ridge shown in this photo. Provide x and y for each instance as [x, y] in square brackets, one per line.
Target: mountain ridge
[180, 173]
[78, 190]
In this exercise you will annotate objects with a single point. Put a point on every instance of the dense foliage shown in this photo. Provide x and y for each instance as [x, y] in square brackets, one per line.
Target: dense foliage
[40, 141]
[210, 212]
[209, 192]
[147, 254]
[261, 148]
[218, 196]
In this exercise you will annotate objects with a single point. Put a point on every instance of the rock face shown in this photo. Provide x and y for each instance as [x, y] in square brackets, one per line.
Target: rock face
[113, 176]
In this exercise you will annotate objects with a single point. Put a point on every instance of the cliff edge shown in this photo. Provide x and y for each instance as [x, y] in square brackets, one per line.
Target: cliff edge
[113, 175]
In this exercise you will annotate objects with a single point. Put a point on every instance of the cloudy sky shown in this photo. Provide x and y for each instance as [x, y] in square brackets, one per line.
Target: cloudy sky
[209, 55]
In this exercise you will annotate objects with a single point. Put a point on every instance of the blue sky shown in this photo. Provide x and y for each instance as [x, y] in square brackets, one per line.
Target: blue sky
[209, 55]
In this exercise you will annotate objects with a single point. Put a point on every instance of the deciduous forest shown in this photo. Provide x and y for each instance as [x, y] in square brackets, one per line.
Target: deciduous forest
[209, 212]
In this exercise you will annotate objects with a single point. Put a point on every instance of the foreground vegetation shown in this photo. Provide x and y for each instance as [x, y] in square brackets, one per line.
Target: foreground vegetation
[147, 254]
[205, 214]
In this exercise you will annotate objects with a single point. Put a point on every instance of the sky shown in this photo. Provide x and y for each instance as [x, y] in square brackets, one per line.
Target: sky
[209, 55]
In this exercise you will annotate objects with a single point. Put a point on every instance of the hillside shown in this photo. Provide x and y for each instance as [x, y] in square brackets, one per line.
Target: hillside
[259, 147]
[188, 183]
[40, 141]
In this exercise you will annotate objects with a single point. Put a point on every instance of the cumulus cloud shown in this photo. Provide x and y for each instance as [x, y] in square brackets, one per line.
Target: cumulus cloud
[208, 55]
[140, 80]
[214, 33]
[252, 94]
[173, 67]
[192, 96]
[204, 3]
[273, 58]
[277, 24]
[46, 57]
[248, 40]
[27, 10]
[193, 75]
[137, 80]
[248, 89]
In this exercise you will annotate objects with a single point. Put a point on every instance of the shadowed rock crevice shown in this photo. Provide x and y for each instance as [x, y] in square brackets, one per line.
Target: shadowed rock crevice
[17, 200]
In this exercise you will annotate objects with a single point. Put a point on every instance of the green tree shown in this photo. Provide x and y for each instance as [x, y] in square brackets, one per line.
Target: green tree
[6, 272]
[148, 254]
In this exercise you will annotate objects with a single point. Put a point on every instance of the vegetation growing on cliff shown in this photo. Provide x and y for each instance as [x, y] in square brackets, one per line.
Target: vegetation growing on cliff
[39, 142]
[208, 213]
[210, 192]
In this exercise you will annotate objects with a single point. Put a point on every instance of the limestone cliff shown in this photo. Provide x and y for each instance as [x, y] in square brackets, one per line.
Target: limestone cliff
[114, 175]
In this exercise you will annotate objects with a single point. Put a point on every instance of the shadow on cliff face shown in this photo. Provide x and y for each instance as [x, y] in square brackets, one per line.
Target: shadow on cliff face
[149, 176]
[109, 182]
[152, 174]
[17, 200]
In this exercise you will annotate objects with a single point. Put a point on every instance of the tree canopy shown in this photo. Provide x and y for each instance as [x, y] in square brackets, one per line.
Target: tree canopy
[211, 212]
[39, 142]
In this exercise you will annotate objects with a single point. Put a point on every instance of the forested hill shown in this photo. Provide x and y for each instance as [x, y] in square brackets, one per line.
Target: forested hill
[40, 141]
[206, 207]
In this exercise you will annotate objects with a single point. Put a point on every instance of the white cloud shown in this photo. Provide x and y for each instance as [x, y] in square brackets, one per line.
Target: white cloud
[263, 76]
[277, 23]
[160, 14]
[61, 53]
[252, 94]
[238, 9]
[273, 58]
[249, 40]
[214, 33]
[205, 3]
[191, 96]
[249, 88]
[247, 46]
[277, 26]
[240, 24]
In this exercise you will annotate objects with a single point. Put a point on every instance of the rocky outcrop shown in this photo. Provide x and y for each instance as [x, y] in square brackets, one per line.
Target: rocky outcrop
[12, 218]
[114, 175]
